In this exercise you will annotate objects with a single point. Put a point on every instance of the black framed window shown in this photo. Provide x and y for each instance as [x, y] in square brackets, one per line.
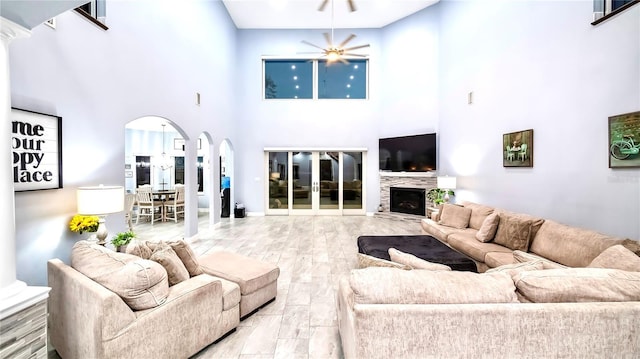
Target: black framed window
[342, 80]
[290, 79]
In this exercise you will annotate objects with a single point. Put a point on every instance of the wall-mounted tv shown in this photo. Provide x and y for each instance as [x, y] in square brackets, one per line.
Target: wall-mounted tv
[415, 153]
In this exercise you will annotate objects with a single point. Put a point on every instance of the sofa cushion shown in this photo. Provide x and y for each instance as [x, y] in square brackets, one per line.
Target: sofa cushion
[414, 262]
[187, 256]
[455, 216]
[579, 285]
[168, 258]
[441, 232]
[139, 248]
[466, 243]
[515, 268]
[497, 259]
[365, 261]
[521, 257]
[571, 246]
[488, 229]
[142, 284]
[516, 230]
[393, 286]
[479, 213]
[617, 257]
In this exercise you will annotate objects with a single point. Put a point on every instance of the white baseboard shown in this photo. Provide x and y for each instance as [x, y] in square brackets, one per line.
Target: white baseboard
[255, 214]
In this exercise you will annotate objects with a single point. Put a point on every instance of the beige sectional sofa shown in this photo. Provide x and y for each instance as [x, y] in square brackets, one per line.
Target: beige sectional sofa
[518, 235]
[157, 301]
[528, 303]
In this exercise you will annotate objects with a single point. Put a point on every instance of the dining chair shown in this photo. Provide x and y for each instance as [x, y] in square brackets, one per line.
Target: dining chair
[147, 206]
[509, 154]
[174, 207]
[522, 155]
[129, 201]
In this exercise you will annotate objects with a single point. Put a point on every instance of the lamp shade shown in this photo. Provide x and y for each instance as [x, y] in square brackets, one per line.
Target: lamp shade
[97, 200]
[447, 182]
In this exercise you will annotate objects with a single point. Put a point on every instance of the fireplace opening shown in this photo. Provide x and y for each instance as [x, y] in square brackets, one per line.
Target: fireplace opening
[408, 200]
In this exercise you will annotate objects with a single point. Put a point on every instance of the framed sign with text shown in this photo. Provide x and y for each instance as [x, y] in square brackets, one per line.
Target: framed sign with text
[36, 145]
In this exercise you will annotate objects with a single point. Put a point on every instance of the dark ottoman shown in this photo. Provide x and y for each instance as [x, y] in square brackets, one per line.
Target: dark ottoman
[424, 247]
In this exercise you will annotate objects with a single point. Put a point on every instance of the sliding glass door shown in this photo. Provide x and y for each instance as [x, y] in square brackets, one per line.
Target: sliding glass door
[314, 182]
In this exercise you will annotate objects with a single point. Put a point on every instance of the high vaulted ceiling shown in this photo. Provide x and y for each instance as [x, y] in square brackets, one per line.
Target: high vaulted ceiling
[304, 14]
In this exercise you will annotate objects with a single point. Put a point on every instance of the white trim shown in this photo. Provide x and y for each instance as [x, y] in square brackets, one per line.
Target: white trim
[312, 149]
[9, 30]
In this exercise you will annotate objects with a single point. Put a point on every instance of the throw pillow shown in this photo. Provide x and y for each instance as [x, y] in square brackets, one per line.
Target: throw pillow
[515, 268]
[522, 257]
[168, 258]
[365, 261]
[579, 285]
[488, 229]
[455, 216]
[187, 256]
[633, 246]
[392, 286]
[141, 284]
[414, 262]
[513, 232]
[617, 257]
[139, 248]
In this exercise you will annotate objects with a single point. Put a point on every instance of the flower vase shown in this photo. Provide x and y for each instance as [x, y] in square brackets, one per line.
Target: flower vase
[92, 237]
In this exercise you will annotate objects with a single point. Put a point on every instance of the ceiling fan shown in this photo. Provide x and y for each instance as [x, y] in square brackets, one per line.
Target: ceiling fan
[352, 5]
[335, 52]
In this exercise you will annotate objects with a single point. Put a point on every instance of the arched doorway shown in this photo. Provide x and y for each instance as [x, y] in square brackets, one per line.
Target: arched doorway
[227, 178]
[154, 155]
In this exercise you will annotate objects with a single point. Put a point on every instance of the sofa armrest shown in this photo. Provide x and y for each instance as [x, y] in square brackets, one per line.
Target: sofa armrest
[82, 308]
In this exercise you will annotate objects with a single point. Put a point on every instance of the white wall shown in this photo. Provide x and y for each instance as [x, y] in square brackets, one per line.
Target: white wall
[152, 60]
[303, 123]
[540, 65]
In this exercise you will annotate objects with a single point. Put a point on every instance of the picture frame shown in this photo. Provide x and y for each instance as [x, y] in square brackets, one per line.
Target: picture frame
[36, 145]
[178, 144]
[624, 140]
[517, 149]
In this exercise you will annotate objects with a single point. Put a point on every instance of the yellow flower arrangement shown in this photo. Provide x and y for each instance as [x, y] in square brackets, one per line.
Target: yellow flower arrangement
[80, 223]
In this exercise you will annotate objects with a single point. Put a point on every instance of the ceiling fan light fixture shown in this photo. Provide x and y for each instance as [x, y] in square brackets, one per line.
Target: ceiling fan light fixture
[332, 55]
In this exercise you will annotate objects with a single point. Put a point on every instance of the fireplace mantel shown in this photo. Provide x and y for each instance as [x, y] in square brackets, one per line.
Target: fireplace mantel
[408, 174]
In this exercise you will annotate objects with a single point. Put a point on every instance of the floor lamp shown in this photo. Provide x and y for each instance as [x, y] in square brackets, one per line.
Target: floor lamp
[100, 201]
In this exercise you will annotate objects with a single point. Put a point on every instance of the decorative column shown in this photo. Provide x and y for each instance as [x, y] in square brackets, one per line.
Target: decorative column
[15, 296]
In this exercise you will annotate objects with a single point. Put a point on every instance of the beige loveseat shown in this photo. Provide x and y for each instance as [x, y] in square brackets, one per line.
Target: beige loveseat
[515, 236]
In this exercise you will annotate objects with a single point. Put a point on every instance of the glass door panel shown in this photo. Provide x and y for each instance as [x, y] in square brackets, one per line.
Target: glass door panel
[302, 179]
[329, 180]
[352, 180]
[278, 184]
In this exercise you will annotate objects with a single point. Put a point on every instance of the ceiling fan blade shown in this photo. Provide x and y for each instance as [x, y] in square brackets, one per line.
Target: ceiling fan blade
[343, 60]
[352, 5]
[328, 39]
[323, 5]
[310, 44]
[356, 47]
[357, 55]
[351, 37]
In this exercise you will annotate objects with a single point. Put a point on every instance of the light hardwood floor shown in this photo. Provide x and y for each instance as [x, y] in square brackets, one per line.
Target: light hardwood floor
[312, 253]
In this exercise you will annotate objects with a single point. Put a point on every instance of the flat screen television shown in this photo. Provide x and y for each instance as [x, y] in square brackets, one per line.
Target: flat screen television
[415, 153]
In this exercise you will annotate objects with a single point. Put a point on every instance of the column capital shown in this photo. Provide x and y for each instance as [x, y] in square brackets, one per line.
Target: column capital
[9, 30]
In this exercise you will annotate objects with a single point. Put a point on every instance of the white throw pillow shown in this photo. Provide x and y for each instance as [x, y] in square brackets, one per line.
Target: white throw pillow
[413, 261]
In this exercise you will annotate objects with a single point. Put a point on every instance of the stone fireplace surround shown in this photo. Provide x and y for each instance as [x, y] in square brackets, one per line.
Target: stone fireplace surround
[426, 180]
